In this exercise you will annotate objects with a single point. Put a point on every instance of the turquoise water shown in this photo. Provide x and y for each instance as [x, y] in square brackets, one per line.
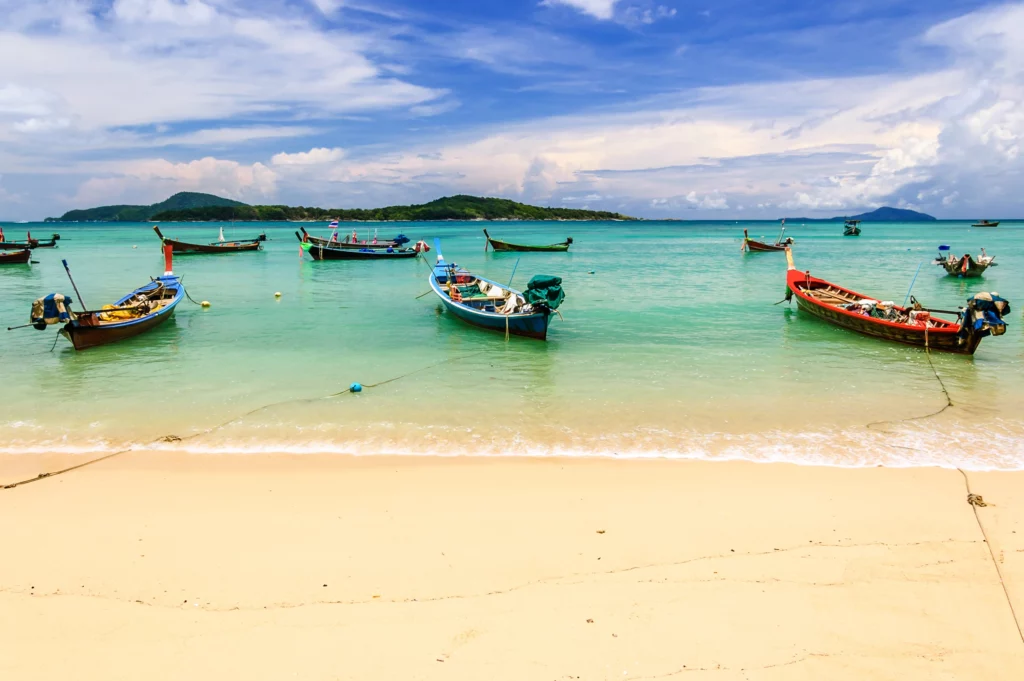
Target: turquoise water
[670, 346]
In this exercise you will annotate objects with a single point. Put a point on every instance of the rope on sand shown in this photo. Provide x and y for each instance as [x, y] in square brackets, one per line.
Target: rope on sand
[175, 438]
[975, 501]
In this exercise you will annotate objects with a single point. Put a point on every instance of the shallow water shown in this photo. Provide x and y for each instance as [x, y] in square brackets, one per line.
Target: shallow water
[670, 346]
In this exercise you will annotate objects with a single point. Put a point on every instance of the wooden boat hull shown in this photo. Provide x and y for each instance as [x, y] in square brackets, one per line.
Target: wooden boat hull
[84, 337]
[321, 253]
[15, 257]
[985, 224]
[506, 247]
[17, 245]
[184, 248]
[760, 247]
[956, 269]
[943, 336]
[533, 325]
[851, 231]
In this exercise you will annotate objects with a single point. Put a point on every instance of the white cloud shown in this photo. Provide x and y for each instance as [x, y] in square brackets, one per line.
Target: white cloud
[187, 13]
[163, 61]
[599, 9]
[155, 179]
[948, 139]
[316, 156]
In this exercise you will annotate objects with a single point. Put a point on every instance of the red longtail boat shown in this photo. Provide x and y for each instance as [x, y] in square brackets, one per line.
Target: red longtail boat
[752, 245]
[15, 257]
[913, 326]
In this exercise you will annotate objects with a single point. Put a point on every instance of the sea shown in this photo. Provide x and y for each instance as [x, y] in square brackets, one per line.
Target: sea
[671, 344]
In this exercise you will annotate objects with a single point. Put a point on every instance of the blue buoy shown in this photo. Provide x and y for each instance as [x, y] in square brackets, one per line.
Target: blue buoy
[356, 388]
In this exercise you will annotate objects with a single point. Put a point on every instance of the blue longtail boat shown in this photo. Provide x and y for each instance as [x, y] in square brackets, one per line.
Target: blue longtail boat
[494, 306]
[143, 309]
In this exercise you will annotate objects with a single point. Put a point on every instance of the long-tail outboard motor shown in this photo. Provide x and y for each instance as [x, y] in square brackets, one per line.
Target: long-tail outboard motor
[983, 315]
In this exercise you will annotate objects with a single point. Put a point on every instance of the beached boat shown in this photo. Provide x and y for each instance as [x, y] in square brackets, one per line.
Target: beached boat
[966, 266]
[143, 309]
[851, 228]
[331, 252]
[754, 246]
[221, 246]
[986, 223]
[913, 326]
[490, 305]
[505, 246]
[15, 257]
[350, 240]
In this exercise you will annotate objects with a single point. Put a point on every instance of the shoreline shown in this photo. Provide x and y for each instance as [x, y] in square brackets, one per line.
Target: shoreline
[163, 566]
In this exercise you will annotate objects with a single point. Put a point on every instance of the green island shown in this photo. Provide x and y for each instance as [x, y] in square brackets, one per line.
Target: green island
[196, 207]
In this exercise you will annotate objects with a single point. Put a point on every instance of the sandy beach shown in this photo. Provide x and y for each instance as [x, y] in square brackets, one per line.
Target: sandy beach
[277, 567]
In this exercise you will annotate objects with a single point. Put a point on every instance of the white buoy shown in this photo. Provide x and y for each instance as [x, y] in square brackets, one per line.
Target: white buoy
[134, 246]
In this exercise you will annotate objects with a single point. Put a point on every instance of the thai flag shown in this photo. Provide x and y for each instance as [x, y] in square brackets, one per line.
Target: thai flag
[333, 225]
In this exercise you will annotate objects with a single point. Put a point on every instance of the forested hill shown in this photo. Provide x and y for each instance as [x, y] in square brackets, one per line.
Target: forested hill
[180, 201]
[449, 208]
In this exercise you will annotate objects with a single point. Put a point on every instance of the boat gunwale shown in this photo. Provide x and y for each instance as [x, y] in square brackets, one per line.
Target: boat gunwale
[796, 280]
[166, 309]
[447, 300]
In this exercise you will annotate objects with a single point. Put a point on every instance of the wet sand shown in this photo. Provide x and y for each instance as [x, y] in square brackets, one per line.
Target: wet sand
[159, 567]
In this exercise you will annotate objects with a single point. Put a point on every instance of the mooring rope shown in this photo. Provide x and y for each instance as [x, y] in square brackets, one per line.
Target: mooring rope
[212, 429]
[942, 385]
[975, 500]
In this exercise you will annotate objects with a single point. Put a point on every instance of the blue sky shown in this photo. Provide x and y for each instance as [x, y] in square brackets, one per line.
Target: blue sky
[733, 109]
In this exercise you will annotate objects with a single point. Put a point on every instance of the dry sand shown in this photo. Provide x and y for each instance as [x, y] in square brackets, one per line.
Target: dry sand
[150, 567]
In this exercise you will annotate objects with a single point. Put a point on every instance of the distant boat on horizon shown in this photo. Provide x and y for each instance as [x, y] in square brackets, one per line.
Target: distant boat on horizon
[985, 223]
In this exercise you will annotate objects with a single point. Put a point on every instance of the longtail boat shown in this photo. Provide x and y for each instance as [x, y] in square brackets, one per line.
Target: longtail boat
[29, 242]
[986, 223]
[48, 243]
[322, 251]
[966, 266]
[505, 246]
[490, 305]
[851, 228]
[351, 241]
[752, 245]
[15, 257]
[913, 326]
[143, 309]
[185, 248]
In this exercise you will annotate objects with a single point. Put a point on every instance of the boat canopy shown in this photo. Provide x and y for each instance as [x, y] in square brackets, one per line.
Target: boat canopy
[985, 313]
[545, 289]
[51, 309]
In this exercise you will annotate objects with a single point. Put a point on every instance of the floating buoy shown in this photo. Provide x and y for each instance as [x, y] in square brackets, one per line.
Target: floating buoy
[356, 388]
[277, 294]
[591, 272]
[205, 303]
[134, 246]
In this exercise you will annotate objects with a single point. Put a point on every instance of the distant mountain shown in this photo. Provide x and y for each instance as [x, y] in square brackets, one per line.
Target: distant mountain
[459, 207]
[180, 201]
[886, 214]
[883, 214]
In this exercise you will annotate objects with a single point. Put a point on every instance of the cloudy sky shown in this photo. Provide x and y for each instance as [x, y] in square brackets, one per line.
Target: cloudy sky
[657, 108]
